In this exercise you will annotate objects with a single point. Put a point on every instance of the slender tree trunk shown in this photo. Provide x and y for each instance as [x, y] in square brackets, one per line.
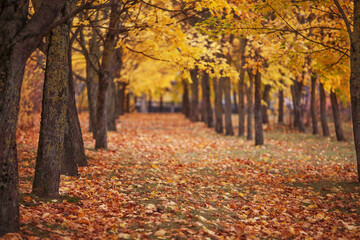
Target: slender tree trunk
[161, 105]
[121, 97]
[250, 108]
[236, 105]
[313, 104]
[185, 99]
[105, 76]
[266, 98]
[127, 105]
[194, 95]
[150, 103]
[208, 113]
[54, 114]
[355, 81]
[110, 106]
[336, 115]
[259, 137]
[323, 117]
[92, 78]
[296, 90]
[19, 38]
[241, 88]
[218, 105]
[143, 107]
[281, 107]
[227, 94]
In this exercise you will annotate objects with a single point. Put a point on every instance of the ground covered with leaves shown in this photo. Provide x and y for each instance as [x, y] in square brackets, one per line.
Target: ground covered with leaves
[164, 177]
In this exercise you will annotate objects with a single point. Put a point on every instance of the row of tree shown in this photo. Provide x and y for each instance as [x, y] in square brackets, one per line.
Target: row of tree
[114, 37]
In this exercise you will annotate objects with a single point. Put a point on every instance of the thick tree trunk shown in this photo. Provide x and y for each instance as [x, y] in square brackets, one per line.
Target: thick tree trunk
[336, 115]
[105, 76]
[127, 104]
[218, 105]
[194, 116]
[355, 81]
[259, 137]
[241, 88]
[206, 103]
[266, 98]
[281, 107]
[227, 94]
[250, 107]
[53, 115]
[19, 38]
[121, 98]
[185, 99]
[323, 117]
[313, 104]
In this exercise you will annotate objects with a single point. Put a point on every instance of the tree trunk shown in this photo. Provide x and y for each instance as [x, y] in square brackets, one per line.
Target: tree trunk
[241, 88]
[227, 94]
[127, 104]
[336, 115]
[92, 78]
[143, 107]
[250, 108]
[185, 99]
[323, 117]
[218, 105]
[313, 104]
[105, 76]
[355, 81]
[281, 107]
[110, 106]
[150, 103]
[296, 91]
[236, 106]
[161, 104]
[266, 98]
[208, 113]
[121, 98]
[19, 38]
[54, 114]
[194, 116]
[259, 137]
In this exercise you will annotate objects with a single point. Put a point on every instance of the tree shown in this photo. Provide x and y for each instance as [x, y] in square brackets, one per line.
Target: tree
[194, 109]
[241, 86]
[313, 104]
[19, 39]
[323, 116]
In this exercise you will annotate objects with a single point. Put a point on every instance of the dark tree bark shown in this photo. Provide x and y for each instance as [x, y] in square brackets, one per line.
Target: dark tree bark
[218, 105]
[313, 104]
[194, 115]
[92, 78]
[185, 99]
[266, 98]
[250, 107]
[259, 137]
[106, 75]
[110, 106]
[323, 117]
[236, 105]
[19, 38]
[54, 114]
[355, 81]
[227, 94]
[336, 115]
[161, 105]
[296, 90]
[206, 103]
[241, 88]
[150, 103]
[127, 104]
[281, 107]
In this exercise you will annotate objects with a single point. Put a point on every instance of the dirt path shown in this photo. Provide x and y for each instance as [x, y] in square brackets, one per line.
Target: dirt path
[164, 177]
